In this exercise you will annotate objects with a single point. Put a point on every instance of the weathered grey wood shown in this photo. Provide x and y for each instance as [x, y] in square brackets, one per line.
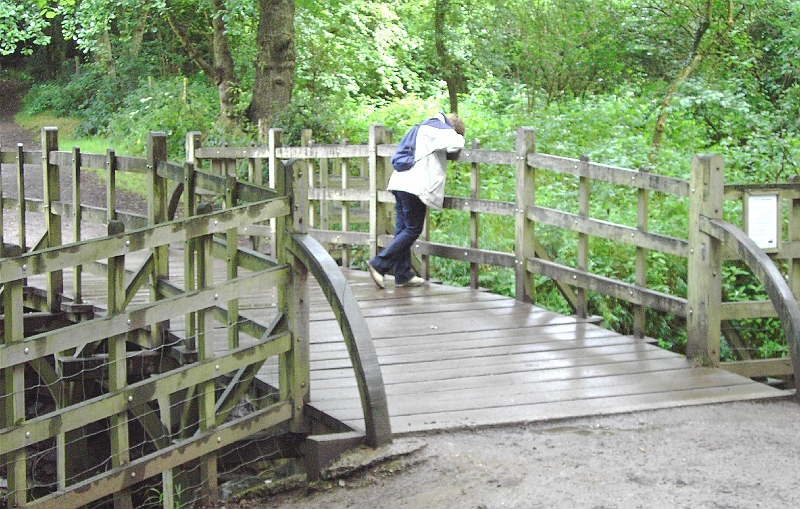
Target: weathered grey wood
[704, 295]
[197, 446]
[642, 216]
[340, 237]
[524, 227]
[581, 299]
[95, 330]
[768, 274]
[52, 194]
[176, 231]
[613, 174]
[611, 231]
[356, 337]
[21, 206]
[760, 368]
[497, 208]
[625, 291]
[13, 392]
[378, 224]
[474, 218]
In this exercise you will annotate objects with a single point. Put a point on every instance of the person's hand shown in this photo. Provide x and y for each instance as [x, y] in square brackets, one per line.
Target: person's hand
[452, 153]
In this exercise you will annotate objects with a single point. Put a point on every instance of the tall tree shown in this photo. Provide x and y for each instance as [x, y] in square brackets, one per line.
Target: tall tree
[275, 61]
[449, 68]
[221, 71]
[710, 27]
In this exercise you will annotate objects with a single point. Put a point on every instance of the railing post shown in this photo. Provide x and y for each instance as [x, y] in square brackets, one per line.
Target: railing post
[345, 173]
[581, 301]
[378, 215]
[474, 217]
[52, 194]
[21, 209]
[274, 137]
[157, 204]
[117, 367]
[111, 185]
[13, 391]
[704, 287]
[77, 217]
[524, 232]
[794, 237]
[642, 216]
[205, 350]
[293, 299]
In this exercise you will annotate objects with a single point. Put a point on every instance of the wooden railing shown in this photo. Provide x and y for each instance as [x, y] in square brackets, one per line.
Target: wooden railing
[151, 382]
[574, 279]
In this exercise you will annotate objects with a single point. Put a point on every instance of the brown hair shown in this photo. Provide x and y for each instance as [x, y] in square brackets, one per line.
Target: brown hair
[457, 123]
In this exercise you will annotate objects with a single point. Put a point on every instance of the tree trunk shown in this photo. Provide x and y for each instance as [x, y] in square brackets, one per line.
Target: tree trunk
[222, 73]
[275, 61]
[695, 56]
[450, 71]
[225, 73]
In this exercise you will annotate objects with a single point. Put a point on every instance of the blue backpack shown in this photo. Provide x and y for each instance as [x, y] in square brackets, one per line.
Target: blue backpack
[404, 157]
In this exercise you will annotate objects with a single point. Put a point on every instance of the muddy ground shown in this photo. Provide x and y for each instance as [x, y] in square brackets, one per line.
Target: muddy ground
[736, 455]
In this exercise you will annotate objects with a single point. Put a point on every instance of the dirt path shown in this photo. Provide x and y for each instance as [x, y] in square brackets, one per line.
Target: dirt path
[737, 455]
[93, 190]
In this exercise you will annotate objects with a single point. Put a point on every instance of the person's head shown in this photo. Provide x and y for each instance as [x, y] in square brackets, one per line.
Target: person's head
[457, 123]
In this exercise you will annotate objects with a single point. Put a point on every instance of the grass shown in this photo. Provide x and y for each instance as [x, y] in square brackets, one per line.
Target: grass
[67, 139]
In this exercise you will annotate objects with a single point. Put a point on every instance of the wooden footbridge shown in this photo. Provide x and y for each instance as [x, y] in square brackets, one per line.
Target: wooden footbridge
[218, 338]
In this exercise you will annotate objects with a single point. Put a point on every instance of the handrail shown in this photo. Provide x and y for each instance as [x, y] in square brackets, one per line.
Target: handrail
[356, 335]
[768, 274]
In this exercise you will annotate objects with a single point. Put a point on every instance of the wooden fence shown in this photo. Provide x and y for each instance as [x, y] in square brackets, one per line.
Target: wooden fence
[165, 382]
[351, 196]
[138, 401]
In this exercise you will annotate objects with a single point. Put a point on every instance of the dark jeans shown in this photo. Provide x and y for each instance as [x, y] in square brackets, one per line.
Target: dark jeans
[410, 213]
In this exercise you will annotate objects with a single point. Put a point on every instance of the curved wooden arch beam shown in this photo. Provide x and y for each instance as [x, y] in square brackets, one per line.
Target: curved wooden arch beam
[765, 270]
[356, 336]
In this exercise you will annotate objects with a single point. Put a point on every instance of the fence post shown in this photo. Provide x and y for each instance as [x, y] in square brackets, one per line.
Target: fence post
[581, 301]
[293, 299]
[704, 287]
[274, 136]
[21, 210]
[13, 391]
[524, 232]
[205, 350]
[52, 194]
[474, 217]
[117, 367]
[642, 216]
[378, 214]
[111, 185]
[157, 198]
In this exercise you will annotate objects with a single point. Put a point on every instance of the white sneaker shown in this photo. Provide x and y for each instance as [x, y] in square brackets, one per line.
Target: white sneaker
[376, 276]
[414, 281]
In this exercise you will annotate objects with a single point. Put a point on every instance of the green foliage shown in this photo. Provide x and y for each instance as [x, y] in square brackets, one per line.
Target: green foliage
[23, 24]
[589, 76]
[165, 106]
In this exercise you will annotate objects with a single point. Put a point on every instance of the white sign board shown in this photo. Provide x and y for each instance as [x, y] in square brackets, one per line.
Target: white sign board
[762, 220]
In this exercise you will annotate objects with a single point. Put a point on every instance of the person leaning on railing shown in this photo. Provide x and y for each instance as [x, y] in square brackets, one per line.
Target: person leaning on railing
[414, 190]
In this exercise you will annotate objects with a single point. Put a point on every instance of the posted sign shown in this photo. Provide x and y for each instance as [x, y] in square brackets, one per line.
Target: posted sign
[761, 220]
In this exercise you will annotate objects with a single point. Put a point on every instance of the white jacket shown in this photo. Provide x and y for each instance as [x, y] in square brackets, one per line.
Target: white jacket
[427, 177]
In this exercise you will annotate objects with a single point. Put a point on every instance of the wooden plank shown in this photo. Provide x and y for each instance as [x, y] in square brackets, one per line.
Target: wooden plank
[606, 230]
[539, 392]
[612, 174]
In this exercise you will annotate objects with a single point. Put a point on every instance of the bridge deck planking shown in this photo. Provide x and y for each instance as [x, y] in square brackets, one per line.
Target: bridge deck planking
[453, 357]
